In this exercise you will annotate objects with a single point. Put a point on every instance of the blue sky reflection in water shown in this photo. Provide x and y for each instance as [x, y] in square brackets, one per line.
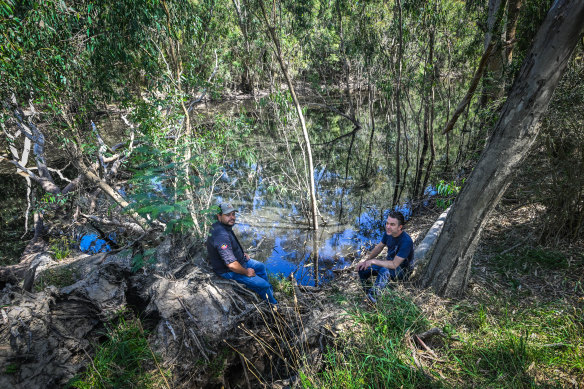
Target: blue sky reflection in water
[271, 236]
[273, 230]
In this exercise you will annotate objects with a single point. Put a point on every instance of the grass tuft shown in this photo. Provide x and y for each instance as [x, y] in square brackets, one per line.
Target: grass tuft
[490, 341]
[281, 283]
[58, 276]
[525, 259]
[124, 360]
[376, 354]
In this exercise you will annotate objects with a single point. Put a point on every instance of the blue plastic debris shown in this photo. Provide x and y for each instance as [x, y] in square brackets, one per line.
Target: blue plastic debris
[90, 243]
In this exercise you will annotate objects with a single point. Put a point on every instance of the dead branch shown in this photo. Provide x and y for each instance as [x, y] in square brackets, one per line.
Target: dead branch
[424, 346]
[34, 138]
[134, 227]
[110, 192]
[414, 352]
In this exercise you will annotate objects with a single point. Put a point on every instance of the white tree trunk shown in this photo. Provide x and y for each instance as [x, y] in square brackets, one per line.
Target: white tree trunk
[272, 33]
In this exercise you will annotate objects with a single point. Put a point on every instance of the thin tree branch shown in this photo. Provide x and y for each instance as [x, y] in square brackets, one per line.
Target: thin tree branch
[473, 86]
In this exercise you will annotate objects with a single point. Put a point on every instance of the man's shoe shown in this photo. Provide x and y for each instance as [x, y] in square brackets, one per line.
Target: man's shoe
[371, 299]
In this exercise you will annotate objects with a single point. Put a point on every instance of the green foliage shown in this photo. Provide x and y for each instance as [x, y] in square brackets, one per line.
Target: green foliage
[12, 368]
[160, 187]
[51, 201]
[281, 284]
[506, 357]
[147, 258]
[530, 18]
[507, 345]
[448, 192]
[374, 356]
[124, 360]
[61, 246]
[218, 364]
[491, 342]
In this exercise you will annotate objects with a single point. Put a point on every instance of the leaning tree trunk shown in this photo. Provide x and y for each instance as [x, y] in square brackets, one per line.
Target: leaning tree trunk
[449, 267]
[272, 34]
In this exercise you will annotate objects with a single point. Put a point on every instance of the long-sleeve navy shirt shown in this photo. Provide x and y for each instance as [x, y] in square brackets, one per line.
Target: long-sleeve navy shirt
[223, 248]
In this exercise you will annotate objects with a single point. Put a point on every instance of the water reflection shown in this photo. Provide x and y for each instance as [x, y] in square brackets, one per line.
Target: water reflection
[273, 229]
[271, 236]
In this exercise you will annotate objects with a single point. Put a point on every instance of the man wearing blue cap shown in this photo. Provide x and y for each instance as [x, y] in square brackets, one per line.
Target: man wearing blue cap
[229, 261]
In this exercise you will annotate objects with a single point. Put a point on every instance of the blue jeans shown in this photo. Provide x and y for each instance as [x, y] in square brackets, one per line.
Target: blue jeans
[383, 276]
[258, 283]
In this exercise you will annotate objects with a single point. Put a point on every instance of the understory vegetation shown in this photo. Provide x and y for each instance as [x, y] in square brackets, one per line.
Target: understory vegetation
[126, 122]
[496, 337]
[123, 360]
[492, 339]
[520, 325]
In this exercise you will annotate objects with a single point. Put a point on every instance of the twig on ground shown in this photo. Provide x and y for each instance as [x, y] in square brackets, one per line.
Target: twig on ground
[414, 351]
[424, 346]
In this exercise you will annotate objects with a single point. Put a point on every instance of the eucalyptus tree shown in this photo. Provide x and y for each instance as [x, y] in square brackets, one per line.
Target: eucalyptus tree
[46, 68]
[513, 135]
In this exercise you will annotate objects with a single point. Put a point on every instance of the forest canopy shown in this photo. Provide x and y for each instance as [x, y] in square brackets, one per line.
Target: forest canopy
[407, 92]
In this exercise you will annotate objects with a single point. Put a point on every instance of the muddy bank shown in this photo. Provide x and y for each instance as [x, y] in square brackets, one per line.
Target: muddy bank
[209, 332]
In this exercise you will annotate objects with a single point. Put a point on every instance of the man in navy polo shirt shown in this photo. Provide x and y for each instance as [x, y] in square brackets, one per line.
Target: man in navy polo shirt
[399, 261]
[229, 261]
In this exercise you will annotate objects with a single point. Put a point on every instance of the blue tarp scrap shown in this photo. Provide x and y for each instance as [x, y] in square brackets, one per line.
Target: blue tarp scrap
[91, 243]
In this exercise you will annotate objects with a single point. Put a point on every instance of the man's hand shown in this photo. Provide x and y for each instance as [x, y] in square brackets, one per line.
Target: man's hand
[372, 255]
[237, 268]
[363, 265]
[246, 256]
